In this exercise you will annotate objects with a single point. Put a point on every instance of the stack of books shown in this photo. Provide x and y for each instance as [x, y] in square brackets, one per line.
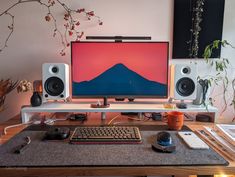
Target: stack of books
[221, 137]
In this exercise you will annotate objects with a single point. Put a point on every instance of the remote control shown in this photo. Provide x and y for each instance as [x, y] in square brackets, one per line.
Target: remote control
[192, 140]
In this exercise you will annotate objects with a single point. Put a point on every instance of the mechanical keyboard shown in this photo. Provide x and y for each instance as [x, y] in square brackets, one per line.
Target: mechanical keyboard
[107, 134]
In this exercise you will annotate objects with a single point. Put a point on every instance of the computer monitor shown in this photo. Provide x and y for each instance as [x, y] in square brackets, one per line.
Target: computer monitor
[119, 69]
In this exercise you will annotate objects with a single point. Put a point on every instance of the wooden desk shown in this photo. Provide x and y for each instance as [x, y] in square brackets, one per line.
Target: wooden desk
[108, 171]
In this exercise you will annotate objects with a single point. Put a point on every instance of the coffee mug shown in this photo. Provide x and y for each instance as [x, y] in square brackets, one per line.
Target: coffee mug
[174, 120]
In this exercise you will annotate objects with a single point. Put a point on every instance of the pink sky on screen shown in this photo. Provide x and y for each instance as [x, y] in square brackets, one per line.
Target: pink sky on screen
[147, 59]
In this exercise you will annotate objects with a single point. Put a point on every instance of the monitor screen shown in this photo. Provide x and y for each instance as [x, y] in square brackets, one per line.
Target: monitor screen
[119, 69]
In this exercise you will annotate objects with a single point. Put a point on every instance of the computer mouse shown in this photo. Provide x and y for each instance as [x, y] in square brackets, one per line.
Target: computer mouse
[163, 143]
[57, 133]
[164, 138]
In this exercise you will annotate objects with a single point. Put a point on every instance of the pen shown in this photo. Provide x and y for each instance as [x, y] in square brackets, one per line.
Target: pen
[21, 148]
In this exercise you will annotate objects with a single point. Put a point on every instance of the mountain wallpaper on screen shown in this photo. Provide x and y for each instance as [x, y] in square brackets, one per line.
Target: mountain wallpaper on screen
[119, 80]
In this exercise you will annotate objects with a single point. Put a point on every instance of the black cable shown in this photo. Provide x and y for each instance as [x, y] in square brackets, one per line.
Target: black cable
[154, 116]
[78, 117]
[205, 86]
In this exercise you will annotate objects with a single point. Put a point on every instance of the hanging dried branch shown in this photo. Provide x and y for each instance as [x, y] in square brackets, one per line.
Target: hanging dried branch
[71, 24]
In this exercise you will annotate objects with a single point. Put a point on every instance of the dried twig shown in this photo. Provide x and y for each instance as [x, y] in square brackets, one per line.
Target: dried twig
[70, 23]
[6, 86]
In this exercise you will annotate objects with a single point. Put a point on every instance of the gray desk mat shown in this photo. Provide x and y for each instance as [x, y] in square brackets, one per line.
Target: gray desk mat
[59, 153]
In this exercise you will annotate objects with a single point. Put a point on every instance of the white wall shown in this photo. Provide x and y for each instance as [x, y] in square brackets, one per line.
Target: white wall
[228, 34]
[32, 43]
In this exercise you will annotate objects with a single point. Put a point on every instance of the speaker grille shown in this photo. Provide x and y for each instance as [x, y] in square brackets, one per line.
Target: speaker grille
[185, 86]
[54, 86]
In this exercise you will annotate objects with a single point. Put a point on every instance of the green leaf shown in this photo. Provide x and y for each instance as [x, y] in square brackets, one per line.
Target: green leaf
[216, 66]
[216, 44]
[225, 42]
[226, 79]
[226, 60]
[209, 82]
[207, 52]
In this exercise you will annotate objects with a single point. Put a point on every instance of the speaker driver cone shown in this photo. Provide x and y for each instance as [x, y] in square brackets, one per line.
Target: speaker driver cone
[185, 86]
[54, 86]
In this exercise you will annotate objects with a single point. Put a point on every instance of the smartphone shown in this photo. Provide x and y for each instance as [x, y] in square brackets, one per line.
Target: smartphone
[192, 140]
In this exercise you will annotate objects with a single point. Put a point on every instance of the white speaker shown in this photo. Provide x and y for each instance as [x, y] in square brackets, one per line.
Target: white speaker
[55, 81]
[183, 82]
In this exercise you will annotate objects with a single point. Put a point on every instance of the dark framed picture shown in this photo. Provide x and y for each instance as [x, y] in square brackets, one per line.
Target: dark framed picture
[196, 24]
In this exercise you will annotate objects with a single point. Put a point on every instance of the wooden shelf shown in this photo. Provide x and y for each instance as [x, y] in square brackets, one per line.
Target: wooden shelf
[28, 111]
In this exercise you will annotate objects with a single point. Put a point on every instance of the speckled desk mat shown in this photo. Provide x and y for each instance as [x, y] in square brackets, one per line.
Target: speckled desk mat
[60, 153]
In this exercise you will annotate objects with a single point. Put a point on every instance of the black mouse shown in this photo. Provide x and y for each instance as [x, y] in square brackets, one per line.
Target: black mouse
[164, 138]
[57, 133]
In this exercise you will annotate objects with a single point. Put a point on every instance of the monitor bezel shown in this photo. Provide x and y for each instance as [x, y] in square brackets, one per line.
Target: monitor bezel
[121, 96]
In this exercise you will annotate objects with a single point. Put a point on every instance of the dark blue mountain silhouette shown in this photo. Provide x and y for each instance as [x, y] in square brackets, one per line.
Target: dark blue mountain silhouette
[119, 80]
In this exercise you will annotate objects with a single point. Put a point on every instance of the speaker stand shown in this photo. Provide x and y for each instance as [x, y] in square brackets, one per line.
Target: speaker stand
[181, 105]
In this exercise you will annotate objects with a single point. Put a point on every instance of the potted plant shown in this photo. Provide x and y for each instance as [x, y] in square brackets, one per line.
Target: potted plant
[221, 76]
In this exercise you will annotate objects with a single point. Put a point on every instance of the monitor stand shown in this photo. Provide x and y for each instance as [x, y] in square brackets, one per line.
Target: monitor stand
[104, 105]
